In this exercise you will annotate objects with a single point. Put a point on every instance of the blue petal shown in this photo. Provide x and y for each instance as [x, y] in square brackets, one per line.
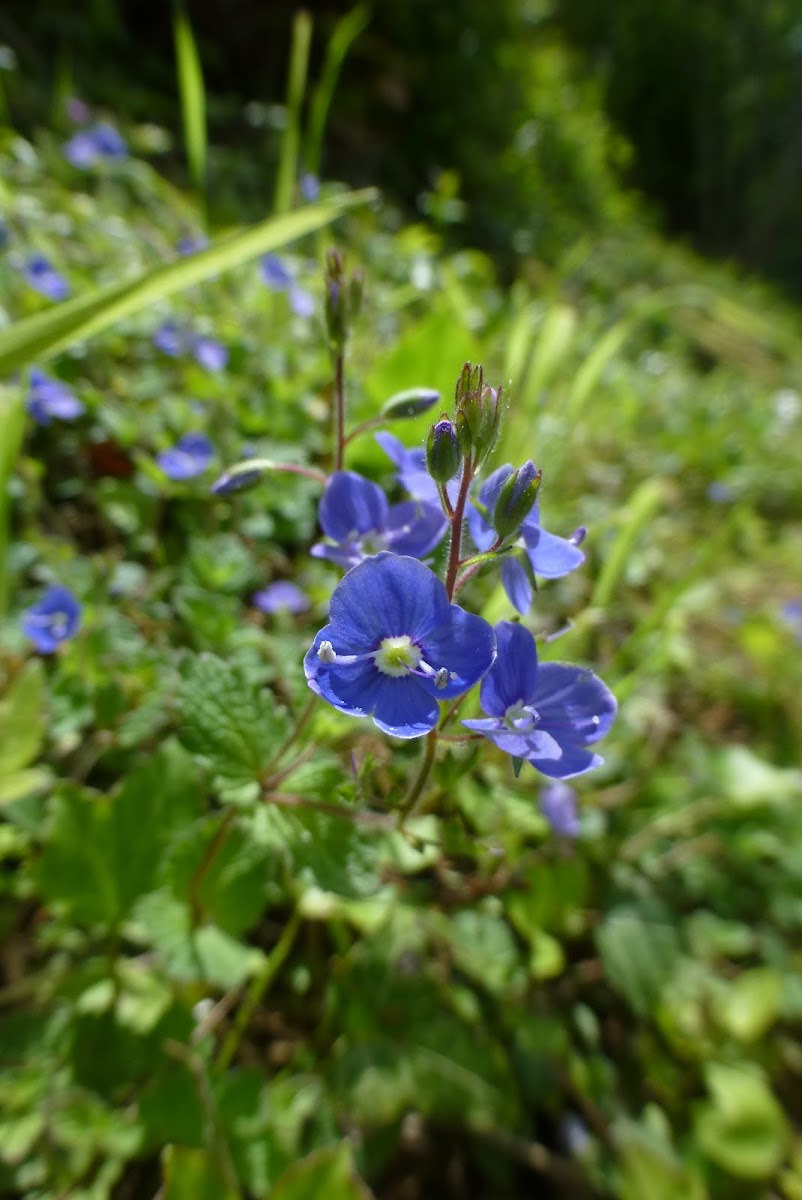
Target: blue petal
[527, 744]
[465, 644]
[549, 555]
[388, 595]
[512, 678]
[415, 528]
[353, 688]
[573, 761]
[345, 555]
[516, 584]
[404, 709]
[351, 504]
[573, 703]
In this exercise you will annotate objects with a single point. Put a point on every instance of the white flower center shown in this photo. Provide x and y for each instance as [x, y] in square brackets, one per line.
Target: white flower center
[397, 656]
[521, 716]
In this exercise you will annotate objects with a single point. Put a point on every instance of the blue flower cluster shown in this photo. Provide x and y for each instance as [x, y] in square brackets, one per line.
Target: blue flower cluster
[396, 645]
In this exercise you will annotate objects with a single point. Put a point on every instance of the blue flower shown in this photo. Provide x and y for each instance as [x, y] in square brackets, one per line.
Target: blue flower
[86, 148]
[281, 596]
[310, 186]
[394, 646]
[50, 398]
[277, 276]
[190, 456]
[559, 807]
[547, 714]
[169, 339]
[42, 276]
[209, 354]
[411, 470]
[191, 245]
[355, 516]
[275, 273]
[54, 619]
[548, 555]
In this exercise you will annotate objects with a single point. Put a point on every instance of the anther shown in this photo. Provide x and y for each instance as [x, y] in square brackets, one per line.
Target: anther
[325, 652]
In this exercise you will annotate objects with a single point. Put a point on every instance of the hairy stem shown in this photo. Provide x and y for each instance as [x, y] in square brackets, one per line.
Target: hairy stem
[339, 410]
[457, 518]
[413, 795]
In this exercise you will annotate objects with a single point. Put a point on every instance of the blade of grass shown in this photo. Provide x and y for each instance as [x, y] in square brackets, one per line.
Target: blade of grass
[345, 33]
[296, 85]
[12, 423]
[52, 331]
[193, 98]
[642, 506]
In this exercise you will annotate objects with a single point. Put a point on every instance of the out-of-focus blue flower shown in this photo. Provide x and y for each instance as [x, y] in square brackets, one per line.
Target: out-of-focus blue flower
[791, 615]
[275, 273]
[171, 339]
[209, 354]
[191, 245]
[411, 470]
[394, 646]
[548, 555]
[302, 302]
[547, 714]
[277, 276]
[720, 492]
[355, 516]
[50, 399]
[88, 147]
[281, 596]
[310, 186]
[190, 456]
[558, 803]
[52, 620]
[78, 110]
[41, 275]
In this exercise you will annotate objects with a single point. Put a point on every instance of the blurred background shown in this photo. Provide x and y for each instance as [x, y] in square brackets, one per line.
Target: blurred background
[592, 994]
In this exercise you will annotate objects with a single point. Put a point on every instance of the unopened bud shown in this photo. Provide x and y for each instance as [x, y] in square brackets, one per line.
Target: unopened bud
[516, 498]
[442, 451]
[409, 403]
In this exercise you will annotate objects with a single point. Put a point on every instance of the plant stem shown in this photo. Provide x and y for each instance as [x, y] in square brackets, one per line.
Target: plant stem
[339, 409]
[413, 795]
[456, 528]
[205, 864]
[260, 984]
[300, 724]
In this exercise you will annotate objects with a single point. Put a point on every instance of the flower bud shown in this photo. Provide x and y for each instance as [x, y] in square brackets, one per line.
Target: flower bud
[409, 403]
[515, 499]
[442, 451]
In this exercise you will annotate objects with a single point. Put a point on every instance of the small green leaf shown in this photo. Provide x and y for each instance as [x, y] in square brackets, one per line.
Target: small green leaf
[328, 1173]
[742, 1128]
[22, 718]
[639, 956]
[751, 1003]
[23, 783]
[194, 1175]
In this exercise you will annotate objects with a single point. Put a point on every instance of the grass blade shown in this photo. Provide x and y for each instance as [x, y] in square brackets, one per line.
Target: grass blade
[296, 86]
[47, 333]
[193, 97]
[346, 31]
[12, 423]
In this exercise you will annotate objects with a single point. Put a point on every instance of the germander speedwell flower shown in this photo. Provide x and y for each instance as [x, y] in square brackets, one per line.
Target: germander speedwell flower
[548, 713]
[53, 619]
[358, 521]
[395, 646]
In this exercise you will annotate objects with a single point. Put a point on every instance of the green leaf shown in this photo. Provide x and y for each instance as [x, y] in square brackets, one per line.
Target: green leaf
[649, 1166]
[54, 329]
[22, 718]
[639, 956]
[742, 1128]
[751, 1003]
[229, 723]
[191, 955]
[102, 852]
[326, 852]
[328, 1173]
[23, 783]
[194, 1175]
[485, 950]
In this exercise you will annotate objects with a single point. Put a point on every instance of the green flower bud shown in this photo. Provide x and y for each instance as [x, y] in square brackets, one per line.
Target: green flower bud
[442, 451]
[516, 498]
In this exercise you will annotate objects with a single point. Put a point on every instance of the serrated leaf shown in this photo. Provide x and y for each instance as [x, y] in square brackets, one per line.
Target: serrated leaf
[326, 852]
[328, 1173]
[228, 722]
[22, 717]
[102, 852]
[742, 1128]
[191, 955]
